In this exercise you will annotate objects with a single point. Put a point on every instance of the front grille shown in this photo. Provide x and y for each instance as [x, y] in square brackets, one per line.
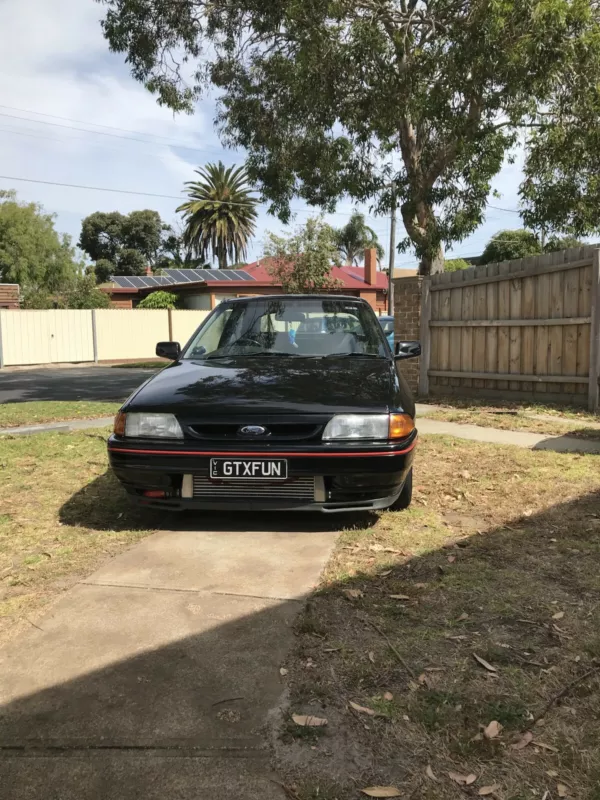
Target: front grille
[278, 431]
[301, 490]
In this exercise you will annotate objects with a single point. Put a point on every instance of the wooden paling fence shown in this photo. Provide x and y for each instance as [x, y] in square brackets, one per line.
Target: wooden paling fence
[523, 328]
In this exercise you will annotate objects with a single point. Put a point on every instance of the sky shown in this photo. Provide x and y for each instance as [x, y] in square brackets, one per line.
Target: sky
[71, 113]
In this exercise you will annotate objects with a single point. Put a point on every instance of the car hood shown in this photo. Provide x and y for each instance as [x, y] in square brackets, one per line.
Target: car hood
[271, 385]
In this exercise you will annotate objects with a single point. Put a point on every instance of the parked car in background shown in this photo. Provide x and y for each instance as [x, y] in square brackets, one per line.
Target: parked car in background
[288, 402]
[387, 325]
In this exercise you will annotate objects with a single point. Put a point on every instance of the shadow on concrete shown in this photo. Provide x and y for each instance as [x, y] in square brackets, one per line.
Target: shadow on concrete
[73, 383]
[143, 693]
[586, 440]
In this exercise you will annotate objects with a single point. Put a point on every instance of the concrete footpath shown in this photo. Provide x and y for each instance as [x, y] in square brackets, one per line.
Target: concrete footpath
[533, 441]
[154, 677]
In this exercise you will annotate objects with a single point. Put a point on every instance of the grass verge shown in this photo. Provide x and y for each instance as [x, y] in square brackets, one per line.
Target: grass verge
[499, 558]
[40, 554]
[36, 412]
[519, 417]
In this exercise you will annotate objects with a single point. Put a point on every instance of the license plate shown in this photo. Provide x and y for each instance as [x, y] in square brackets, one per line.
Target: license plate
[264, 469]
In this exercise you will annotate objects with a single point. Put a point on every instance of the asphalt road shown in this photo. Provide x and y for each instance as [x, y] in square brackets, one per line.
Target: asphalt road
[76, 383]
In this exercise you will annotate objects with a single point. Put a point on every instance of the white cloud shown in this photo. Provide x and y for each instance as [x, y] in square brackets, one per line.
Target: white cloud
[55, 61]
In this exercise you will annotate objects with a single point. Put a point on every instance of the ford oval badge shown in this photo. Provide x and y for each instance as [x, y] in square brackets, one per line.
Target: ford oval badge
[253, 430]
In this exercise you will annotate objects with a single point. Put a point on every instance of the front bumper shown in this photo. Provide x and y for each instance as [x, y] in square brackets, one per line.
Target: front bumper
[346, 477]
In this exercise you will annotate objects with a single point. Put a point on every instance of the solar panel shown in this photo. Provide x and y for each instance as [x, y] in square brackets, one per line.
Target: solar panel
[210, 276]
[244, 276]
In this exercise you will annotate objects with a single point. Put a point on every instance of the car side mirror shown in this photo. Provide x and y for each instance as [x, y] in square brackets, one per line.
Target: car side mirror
[407, 350]
[170, 350]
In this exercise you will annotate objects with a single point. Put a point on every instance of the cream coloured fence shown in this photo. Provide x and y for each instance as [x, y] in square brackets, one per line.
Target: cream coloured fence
[59, 336]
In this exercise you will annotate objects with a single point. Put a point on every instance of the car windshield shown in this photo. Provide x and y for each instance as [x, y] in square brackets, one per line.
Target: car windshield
[309, 327]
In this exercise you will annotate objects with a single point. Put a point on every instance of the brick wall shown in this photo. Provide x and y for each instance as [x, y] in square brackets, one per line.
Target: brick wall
[407, 308]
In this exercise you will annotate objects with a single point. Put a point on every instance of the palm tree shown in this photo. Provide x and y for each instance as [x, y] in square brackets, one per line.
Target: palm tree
[220, 215]
[355, 237]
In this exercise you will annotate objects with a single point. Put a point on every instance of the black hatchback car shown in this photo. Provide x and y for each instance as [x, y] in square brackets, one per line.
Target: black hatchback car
[288, 402]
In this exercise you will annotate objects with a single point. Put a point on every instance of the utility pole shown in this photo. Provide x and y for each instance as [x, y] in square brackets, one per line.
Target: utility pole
[392, 258]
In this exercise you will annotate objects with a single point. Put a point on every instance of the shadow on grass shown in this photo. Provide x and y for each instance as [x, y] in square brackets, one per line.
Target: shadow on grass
[133, 693]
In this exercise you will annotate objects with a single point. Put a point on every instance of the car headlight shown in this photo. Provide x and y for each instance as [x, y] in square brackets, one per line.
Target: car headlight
[369, 426]
[149, 426]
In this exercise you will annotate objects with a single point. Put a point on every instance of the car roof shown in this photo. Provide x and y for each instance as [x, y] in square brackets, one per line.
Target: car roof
[262, 297]
[385, 317]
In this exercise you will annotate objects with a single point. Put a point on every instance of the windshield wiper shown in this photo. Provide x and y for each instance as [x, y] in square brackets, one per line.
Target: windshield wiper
[251, 355]
[352, 355]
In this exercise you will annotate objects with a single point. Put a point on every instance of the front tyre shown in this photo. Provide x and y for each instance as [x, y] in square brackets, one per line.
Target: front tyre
[405, 498]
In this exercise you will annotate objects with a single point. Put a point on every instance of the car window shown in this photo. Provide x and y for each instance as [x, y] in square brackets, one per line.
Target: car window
[387, 325]
[289, 326]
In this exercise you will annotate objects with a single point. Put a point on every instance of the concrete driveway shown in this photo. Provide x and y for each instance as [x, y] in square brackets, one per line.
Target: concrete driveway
[154, 677]
[70, 383]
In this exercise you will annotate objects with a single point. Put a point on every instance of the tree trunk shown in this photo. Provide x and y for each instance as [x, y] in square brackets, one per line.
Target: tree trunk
[431, 264]
[421, 226]
[222, 257]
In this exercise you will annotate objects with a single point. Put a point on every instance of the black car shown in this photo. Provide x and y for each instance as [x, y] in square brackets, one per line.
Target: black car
[288, 402]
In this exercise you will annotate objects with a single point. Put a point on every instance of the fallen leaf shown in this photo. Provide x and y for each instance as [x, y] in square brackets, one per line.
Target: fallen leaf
[457, 778]
[399, 597]
[361, 709]
[470, 779]
[528, 512]
[371, 657]
[486, 790]
[552, 773]
[463, 617]
[492, 730]
[381, 791]
[353, 594]
[283, 671]
[523, 741]
[331, 649]
[308, 721]
[562, 790]
[385, 574]
[484, 663]
[451, 559]
[558, 615]
[388, 696]
[421, 585]
[376, 548]
[430, 774]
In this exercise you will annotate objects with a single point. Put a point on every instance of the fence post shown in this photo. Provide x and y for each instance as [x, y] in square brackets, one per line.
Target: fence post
[1, 350]
[425, 335]
[170, 313]
[94, 336]
[593, 400]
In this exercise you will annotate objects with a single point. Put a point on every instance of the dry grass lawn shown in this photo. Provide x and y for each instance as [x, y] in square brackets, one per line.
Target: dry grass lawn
[466, 632]
[37, 412]
[55, 521]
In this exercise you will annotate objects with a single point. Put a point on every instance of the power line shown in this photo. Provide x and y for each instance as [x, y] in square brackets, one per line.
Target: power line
[149, 194]
[84, 122]
[113, 135]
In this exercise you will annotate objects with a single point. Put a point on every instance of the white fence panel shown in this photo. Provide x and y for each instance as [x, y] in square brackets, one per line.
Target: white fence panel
[130, 334]
[184, 323]
[46, 337]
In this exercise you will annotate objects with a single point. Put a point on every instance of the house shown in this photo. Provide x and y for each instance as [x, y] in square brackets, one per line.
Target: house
[206, 288]
[9, 295]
